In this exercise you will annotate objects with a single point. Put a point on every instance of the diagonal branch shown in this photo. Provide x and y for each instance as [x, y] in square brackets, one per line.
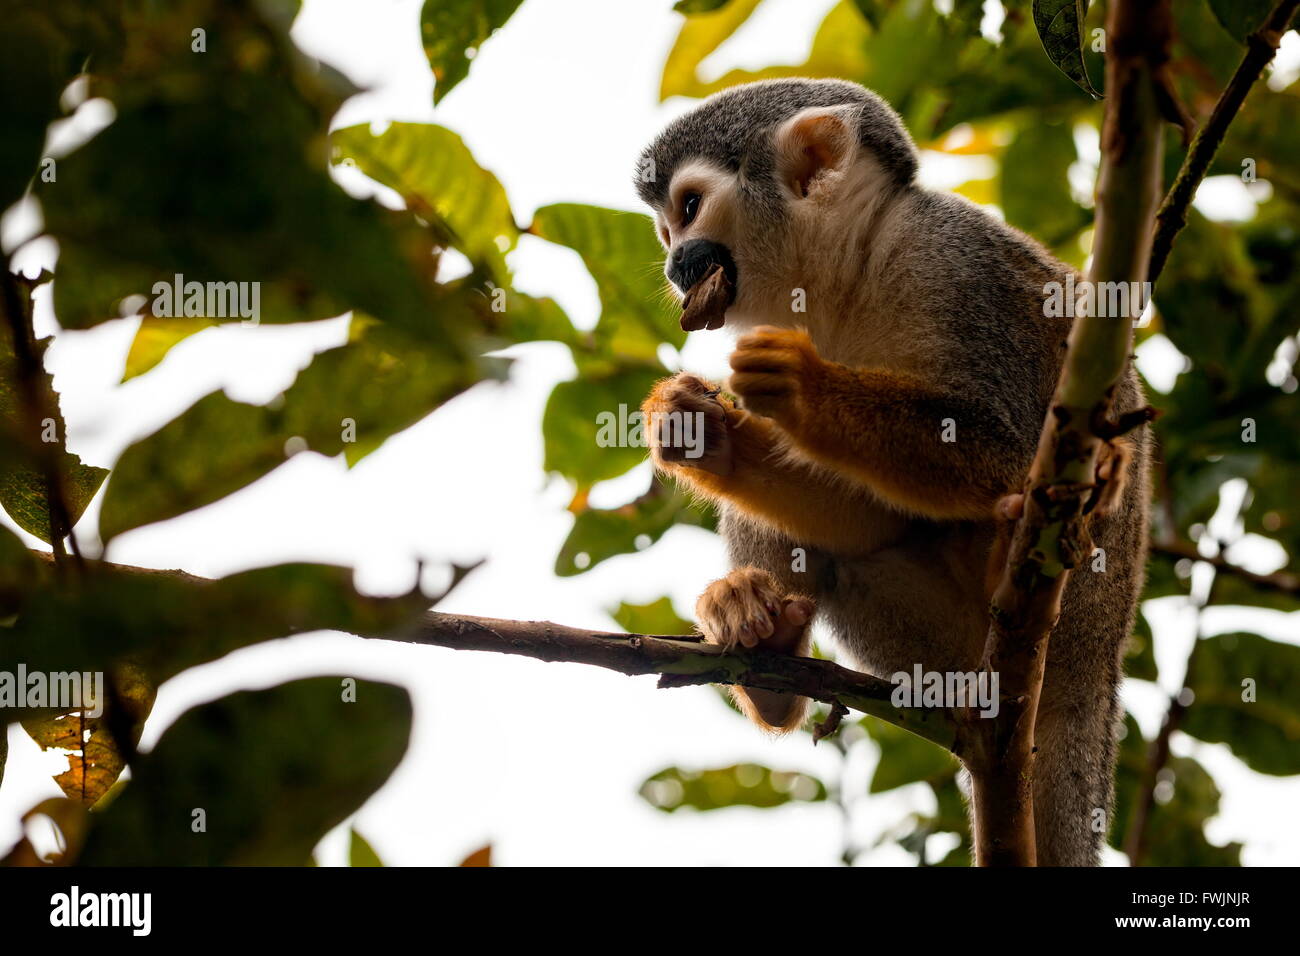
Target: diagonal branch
[683, 661]
[1282, 582]
[678, 661]
[1261, 47]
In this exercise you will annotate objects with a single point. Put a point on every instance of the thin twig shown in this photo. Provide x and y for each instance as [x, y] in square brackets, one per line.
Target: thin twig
[1281, 582]
[30, 370]
[1261, 47]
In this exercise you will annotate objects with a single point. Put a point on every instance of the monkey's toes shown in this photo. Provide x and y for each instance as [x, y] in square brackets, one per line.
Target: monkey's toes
[748, 608]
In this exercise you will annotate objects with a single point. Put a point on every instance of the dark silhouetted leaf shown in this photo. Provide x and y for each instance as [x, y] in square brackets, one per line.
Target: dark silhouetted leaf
[380, 383]
[1176, 827]
[272, 772]
[1060, 27]
[1263, 732]
[1241, 18]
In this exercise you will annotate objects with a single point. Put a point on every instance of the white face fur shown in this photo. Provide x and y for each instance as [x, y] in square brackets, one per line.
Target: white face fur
[831, 190]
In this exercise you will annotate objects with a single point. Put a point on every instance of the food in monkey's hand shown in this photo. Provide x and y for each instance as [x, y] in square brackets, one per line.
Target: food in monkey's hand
[688, 425]
[705, 305]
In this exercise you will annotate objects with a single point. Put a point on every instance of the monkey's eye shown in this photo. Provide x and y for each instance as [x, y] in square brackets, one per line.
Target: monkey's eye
[690, 207]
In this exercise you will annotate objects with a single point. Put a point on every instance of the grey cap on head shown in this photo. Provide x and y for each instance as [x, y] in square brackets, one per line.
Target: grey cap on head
[733, 129]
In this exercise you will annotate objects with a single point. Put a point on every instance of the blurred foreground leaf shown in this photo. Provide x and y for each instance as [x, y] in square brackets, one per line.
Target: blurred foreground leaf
[256, 778]
[741, 785]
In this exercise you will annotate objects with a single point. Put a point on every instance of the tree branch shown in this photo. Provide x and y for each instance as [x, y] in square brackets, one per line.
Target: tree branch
[681, 661]
[16, 303]
[1051, 534]
[1281, 582]
[1261, 47]
[678, 661]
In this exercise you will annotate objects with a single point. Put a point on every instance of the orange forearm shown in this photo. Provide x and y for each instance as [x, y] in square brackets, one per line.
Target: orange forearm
[763, 475]
[938, 454]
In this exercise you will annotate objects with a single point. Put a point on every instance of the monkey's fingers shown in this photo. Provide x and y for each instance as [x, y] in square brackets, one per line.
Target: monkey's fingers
[686, 424]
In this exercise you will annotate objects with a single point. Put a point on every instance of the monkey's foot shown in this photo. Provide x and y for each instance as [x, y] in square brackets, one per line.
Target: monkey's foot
[749, 608]
[772, 371]
[686, 424]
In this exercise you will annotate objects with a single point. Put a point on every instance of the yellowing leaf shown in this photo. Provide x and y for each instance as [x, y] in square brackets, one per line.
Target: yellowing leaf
[154, 339]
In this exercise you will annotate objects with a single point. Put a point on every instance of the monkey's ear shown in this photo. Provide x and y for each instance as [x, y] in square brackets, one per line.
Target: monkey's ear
[812, 142]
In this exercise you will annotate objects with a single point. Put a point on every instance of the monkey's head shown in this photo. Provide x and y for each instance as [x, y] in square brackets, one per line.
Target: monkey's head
[767, 179]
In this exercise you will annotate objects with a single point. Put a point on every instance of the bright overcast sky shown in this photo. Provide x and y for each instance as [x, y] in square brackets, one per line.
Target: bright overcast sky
[543, 761]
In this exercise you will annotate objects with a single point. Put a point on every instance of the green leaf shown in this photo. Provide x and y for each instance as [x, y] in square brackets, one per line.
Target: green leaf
[527, 318]
[436, 175]
[32, 74]
[155, 338]
[908, 53]
[740, 785]
[1241, 18]
[166, 622]
[905, 758]
[1260, 722]
[24, 490]
[600, 533]
[622, 254]
[227, 181]
[838, 50]
[361, 853]
[360, 393]
[1060, 27]
[1175, 828]
[984, 80]
[453, 31]
[657, 617]
[701, 34]
[1034, 189]
[584, 426]
[1140, 653]
[272, 771]
[25, 495]
[689, 7]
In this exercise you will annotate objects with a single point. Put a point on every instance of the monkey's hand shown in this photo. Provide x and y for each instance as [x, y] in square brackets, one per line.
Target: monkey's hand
[686, 425]
[773, 371]
[749, 608]
[934, 450]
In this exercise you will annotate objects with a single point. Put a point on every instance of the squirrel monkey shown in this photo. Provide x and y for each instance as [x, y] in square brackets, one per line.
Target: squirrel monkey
[894, 367]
